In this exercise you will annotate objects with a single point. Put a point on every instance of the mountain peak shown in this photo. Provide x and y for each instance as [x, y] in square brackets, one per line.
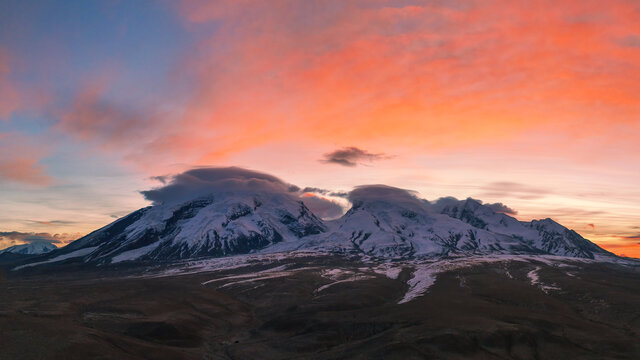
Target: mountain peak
[34, 248]
[546, 235]
[240, 215]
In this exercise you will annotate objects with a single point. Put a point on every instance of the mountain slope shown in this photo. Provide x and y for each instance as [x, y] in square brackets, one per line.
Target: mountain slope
[205, 227]
[386, 221]
[34, 248]
[546, 235]
[383, 221]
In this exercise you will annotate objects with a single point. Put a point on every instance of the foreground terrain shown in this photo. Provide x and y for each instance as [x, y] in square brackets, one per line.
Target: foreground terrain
[326, 307]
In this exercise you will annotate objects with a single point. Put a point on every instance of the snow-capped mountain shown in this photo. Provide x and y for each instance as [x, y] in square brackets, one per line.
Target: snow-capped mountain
[213, 226]
[252, 213]
[386, 221]
[546, 235]
[34, 248]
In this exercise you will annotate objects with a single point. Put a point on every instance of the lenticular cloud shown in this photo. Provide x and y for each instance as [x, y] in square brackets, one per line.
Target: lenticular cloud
[210, 181]
[201, 182]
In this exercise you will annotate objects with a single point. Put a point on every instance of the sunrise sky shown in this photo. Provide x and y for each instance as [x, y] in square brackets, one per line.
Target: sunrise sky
[534, 104]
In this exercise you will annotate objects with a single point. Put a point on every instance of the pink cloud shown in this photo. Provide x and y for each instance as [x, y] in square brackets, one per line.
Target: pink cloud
[92, 117]
[19, 161]
[10, 99]
[337, 72]
[14, 95]
[430, 76]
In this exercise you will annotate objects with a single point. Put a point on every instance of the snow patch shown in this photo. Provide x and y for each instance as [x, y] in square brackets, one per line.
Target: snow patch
[389, 270]
[77, 253]
[535, 281]
[341, 276]
[135, 253]
[421, 281]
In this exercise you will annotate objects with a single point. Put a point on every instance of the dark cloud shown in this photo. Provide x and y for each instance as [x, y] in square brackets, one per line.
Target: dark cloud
[27, 237]
[207, 181]
[323, 207]
[447, 200]
[51, 222]
[342, 194]
[351, 156]
[161, 178]
[315, 190]
[369, 194]
[443, 202]
[630, 41]
[210, 181]
[381, 192]
[501, 208]
[498, 207]
[512, 189]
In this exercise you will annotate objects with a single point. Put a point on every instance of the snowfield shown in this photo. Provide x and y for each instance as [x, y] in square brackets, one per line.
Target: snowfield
[423, 272]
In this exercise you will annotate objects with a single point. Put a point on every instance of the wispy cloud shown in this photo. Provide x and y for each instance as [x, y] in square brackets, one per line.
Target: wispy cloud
[631, 41]
[51, 222]
[501, 208]
[351, 156]
[342, 194]
[93, 117]
[322, 207]
[161, 178]
[10, 100]
[504, 189]
[20, 160]
[14, 94]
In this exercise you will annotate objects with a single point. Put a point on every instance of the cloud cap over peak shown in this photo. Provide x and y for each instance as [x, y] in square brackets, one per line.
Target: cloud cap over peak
[201, 182]
[384, 194]
[497, 207]
[215, 180]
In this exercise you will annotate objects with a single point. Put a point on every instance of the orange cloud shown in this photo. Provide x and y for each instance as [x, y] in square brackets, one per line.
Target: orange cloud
[433, 77]
[623, 249]
[430, 76]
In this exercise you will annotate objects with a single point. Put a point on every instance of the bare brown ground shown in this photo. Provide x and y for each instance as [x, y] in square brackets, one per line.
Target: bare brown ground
[470, 313]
